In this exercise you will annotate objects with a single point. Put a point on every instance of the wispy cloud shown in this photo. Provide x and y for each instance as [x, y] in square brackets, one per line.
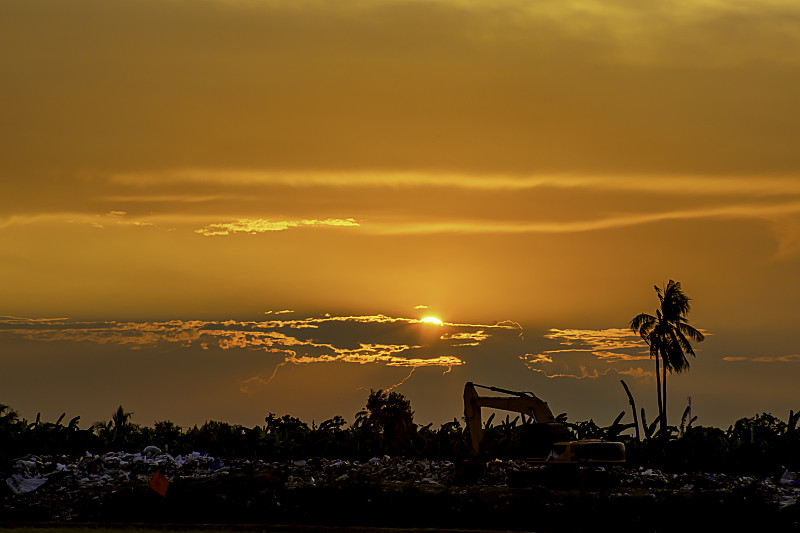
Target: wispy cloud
[111, 218]
[761, 211]
[637, 373]
[399, 383]
[695, 184]
[254, 226]
[770, 200]
[589, 354]
[793, 358]
[393, 341]
[606, 339]
[10, 320]
[473, 338]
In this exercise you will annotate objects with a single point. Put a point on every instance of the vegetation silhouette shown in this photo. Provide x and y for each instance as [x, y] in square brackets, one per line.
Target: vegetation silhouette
[762, 444]
[668, 335]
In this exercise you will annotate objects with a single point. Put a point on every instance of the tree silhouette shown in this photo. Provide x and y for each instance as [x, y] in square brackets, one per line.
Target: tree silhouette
[668, 334]
[391, 415]
[119, 431]
[121, 419]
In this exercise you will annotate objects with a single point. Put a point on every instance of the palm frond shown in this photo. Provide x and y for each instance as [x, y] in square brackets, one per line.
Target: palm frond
[642, 324]
[674, 302]
[652, 340]
[674, 356]
[690, 332]
[684, 343]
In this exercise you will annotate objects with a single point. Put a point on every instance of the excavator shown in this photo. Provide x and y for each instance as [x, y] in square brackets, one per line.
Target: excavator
[552, 440]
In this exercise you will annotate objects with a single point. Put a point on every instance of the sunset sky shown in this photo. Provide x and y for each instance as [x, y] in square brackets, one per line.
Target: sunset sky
[218, 209]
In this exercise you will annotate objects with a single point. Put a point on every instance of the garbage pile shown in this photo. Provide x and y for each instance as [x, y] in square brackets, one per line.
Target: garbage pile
[110, 469]
[116, 487]
[783, 491]
[48, 483]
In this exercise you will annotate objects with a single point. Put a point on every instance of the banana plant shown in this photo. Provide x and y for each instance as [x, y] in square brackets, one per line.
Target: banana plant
[616, 428]
[633, 408]
[687, 415]
[648, 431]
[792, 422]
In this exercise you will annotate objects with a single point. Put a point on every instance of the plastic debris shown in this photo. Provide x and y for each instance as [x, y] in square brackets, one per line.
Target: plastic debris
[159, 484]
[20, 484]
[150, 451]
[789, 478]
[66, 487]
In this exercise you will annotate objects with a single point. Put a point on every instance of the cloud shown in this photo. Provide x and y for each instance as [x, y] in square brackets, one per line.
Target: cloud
[793, 358]
[473, 338]
[254, 226]
[697, 184]
[244, 385]
[379, 339]
[607, 339]
[612, 357]
[599, 223]
[115, 218]
[563, 368]
[399, 383]
[637, 373]
[6, 320]
[589, 354]
[449, 205]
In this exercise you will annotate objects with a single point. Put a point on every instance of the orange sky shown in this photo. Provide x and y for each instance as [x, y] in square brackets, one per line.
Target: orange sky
[176, 174]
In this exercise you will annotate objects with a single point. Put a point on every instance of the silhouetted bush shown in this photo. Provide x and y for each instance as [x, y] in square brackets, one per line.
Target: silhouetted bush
[761, 445]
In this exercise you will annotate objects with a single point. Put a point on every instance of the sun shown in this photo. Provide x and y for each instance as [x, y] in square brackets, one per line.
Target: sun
[432, 320]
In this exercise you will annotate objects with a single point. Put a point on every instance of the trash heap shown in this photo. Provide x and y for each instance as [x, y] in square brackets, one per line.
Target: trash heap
[43, 486]
[115, 487]
[783, 491]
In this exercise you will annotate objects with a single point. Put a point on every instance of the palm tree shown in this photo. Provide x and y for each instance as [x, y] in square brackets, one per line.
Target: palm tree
[668, 334]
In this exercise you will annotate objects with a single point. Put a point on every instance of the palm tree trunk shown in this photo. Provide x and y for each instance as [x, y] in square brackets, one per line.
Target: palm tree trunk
[658, 390]
[664, 398]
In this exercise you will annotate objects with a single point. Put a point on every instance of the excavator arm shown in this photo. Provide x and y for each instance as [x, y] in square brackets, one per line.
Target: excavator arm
[527, 403]
[524, 403]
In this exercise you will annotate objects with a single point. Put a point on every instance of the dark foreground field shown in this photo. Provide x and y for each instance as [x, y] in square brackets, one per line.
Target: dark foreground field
[386, 492]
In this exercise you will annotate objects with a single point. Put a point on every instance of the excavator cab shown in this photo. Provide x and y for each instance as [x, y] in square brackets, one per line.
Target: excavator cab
[548, 439]
[540, 440]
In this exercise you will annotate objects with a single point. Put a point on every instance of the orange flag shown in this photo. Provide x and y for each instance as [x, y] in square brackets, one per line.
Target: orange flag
[159, 483]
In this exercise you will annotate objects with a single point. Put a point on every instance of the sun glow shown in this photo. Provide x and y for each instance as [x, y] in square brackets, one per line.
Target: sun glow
[432, 320]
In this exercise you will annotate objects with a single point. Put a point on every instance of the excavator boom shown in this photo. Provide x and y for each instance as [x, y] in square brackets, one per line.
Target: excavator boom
[523, 403]
[527, 403]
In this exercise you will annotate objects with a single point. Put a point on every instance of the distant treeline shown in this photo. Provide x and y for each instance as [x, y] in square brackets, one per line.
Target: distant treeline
[762, 444]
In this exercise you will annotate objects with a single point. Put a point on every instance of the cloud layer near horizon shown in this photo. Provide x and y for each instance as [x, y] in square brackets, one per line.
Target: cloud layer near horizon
[375, 339]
